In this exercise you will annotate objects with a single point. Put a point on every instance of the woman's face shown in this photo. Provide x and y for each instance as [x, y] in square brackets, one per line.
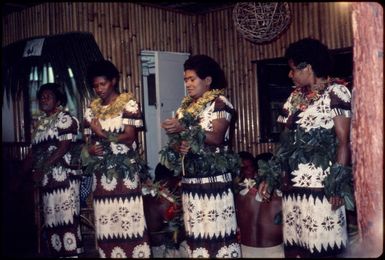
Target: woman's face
[48, 102]
[301, 76]
[196, 86]
[104, 87]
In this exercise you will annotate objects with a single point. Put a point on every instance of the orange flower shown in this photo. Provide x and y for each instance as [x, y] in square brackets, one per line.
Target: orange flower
[302, 107]
[311, 95]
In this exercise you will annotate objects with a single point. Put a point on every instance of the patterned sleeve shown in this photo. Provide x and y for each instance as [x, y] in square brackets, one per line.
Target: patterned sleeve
[223, 109]
[87, 121]
[132, 114]
[67, 126]
[284, 114]
[340, 101]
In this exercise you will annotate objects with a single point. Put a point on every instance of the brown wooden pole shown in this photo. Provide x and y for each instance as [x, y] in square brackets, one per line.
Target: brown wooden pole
[367, 125]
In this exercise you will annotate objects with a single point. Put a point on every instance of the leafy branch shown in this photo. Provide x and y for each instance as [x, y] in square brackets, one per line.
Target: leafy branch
[114, 165]
[317, 146]
[200, 160]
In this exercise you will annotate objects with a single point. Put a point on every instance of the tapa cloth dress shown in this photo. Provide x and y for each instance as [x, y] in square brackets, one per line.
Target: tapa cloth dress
[120, 224]
[208, 202]
[59, 186]
[309, 222]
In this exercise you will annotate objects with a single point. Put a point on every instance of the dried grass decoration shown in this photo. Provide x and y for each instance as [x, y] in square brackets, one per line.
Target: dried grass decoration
[261, 21]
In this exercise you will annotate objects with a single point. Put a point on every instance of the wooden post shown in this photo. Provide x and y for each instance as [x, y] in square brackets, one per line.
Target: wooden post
[367, 125]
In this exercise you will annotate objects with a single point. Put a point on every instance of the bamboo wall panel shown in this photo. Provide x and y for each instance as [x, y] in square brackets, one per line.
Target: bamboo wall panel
[122, 30]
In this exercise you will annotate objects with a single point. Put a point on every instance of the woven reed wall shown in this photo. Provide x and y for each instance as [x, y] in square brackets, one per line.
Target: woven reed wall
[122, 30]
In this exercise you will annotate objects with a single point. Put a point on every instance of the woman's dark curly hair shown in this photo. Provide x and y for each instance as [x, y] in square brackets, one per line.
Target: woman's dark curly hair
[205, 66]
[313, 52]
[56, 90]
[103, 68]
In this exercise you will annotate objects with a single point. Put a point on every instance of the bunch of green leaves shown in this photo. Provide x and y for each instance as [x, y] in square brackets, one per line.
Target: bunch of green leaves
[340, 183]
[200, 160]
[316, 146]
[193, 134]
[270, 172]
[206, 162]
[114, 165]
[40, 156]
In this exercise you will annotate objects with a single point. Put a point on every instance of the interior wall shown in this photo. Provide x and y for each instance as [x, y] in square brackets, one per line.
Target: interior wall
[122, 30]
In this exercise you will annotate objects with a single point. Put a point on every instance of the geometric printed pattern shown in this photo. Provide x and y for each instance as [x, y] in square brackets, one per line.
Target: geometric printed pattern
[311, 223]
[308, 220]
[209, 216]
[119, 218]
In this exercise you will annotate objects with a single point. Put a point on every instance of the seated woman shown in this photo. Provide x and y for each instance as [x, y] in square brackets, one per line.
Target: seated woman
[163, 213]
[260, 235]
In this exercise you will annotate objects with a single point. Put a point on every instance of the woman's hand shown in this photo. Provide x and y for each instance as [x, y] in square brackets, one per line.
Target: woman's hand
[172, 125]
[97, 127]
[336, 202]
[184, 147]
[263, 191]
[96, 149]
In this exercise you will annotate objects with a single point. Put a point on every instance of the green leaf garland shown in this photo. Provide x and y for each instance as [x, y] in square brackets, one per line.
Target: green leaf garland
[114, 165]
[200, 161]
[317, 146]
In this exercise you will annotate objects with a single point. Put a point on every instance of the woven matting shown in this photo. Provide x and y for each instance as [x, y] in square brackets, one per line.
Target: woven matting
[261, 22]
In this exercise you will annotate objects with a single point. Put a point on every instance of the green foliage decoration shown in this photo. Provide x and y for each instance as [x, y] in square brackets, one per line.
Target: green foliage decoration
[114, 165]
[316, 146]
[201, 160]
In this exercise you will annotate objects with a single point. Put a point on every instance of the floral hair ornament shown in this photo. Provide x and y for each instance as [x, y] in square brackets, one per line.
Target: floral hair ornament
[301, 65]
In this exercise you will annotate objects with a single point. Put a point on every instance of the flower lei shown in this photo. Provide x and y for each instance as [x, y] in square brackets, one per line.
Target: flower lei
[200, 160]
[302, 97]
[195, 109]
[112, 110]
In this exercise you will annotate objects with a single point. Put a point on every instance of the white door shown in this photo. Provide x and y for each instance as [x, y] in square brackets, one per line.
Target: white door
[169, 92]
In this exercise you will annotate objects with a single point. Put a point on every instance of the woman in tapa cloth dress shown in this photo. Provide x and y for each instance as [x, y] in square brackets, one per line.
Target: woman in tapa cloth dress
[208, 201]
[59, 183]
[315, 226]
[113, 119]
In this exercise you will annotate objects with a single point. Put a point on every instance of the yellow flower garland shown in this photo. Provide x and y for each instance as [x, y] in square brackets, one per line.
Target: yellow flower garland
[112, 110]
[196, 108]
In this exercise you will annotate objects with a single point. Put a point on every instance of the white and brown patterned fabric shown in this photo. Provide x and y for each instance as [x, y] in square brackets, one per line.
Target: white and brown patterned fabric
[60, 188]
[309, 223]
[118, 206]
[208, 202]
